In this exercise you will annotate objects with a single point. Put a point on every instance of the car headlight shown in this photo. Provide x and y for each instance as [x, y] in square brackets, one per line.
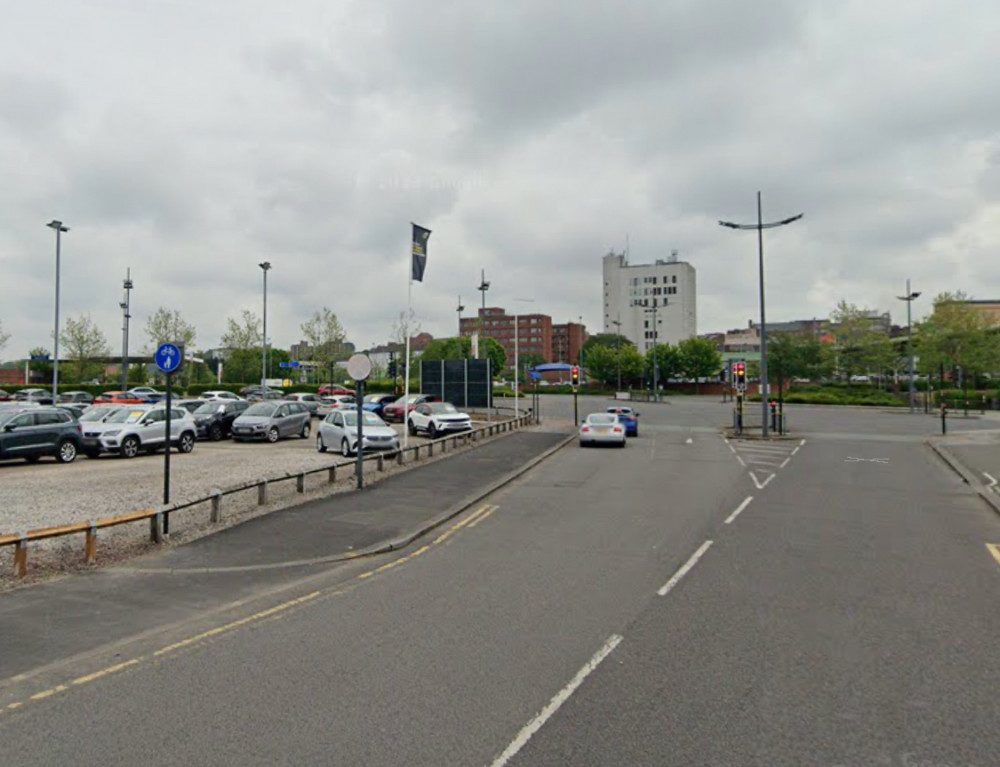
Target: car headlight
[258, 427]
[112, 433]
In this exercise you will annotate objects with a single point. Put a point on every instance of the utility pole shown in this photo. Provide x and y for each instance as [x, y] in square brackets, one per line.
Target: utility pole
[483, 287]
[909, 298]
[126, 316]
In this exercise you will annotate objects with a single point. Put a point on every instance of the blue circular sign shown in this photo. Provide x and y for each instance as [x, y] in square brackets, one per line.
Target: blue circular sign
[168, 357]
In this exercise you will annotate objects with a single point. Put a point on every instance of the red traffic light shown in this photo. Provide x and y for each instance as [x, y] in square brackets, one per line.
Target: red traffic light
[575, 375]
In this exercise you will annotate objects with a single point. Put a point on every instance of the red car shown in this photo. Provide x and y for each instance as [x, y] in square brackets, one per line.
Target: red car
[395, 410]
[117, 398]
[331, 390]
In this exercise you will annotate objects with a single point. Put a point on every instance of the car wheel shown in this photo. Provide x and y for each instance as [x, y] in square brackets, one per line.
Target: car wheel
[345, 448]
[320, 447]
[186, 445]
[215, 433]
[130, 447]
[305, 431]
[66, 452]
[432, 431]
[272, 434]
[412, 429]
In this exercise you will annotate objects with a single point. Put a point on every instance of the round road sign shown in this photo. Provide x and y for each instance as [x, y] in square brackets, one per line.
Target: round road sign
[359, 367]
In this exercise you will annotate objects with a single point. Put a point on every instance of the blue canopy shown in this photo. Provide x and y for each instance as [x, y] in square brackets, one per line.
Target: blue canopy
[553, 366]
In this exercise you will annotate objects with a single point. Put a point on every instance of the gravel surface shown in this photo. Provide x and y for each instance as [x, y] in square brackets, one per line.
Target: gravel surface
[47, 494]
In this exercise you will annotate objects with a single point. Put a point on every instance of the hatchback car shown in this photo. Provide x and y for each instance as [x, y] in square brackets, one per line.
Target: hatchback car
[118, 398]
[340, 430]
[214, 420]
[374, 403]
[327, 405]
[602, 429]
[311, 401]
[271, 421]
[401, 408]
[39, 431]
[435, 418]
[76, 397]
[629, 417]
[144, 427]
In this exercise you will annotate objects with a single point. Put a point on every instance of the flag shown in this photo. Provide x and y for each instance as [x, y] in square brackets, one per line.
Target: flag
[420, 237]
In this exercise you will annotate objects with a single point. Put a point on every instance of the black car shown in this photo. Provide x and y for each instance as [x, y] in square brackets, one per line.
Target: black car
[214, 419]
[39, 431]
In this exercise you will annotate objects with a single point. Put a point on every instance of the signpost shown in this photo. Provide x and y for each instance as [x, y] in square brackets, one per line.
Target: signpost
[168, 358]
[359, 367]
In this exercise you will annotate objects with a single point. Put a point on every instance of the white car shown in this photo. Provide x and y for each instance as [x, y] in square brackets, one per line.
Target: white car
[143, 427]
[602, 429]
[311, 401]
[339, 430]
[436, 418]
[220, 395]
[327, 405]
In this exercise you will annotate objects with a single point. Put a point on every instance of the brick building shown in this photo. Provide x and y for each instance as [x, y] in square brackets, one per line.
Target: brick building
[567, 340]
[534, 332]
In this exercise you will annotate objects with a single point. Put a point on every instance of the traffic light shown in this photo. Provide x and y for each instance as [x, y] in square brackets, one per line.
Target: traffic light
[575, 376]
[740, 374]
[392, 368]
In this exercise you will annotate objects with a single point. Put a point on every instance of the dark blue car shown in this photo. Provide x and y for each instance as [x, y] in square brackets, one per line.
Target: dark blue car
[628, 417]
[374, 403]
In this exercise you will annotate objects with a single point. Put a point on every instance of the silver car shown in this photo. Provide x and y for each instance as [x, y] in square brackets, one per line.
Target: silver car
[272, 420]
[339, 430]
[311, 401]
[144, 427]
[602, 429]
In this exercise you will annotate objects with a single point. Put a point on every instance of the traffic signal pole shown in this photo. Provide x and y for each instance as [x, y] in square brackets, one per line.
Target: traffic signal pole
[575, 378]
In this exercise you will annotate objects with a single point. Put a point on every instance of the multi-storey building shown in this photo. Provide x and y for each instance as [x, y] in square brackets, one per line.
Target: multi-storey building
[567, 341]
[534, 332]
[649, 303]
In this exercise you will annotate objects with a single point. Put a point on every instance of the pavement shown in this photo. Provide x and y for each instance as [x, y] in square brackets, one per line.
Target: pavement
[44, 623]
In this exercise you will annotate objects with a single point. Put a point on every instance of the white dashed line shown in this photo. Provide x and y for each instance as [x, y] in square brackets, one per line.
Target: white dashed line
[740, 459]
[684, 569]
[735, 514]
[760, 485]
[993, 482]
[785, 462]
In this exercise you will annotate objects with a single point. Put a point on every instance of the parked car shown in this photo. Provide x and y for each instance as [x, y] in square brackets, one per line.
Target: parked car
[77, 397]
[398, 410]
[92, 422]
[38, 396]
[4, 395]
[74, 409]
[188, 404]
[220, 395]
[327, 405]
[330, 390]
[144, 392]
[374, 403]
[602, 429]
[39, 431]
[311, 401]
[144, 427]
[339, 430]
[272, 421]
[214, 419]
[257, 392]
[118, 398]
[628, 417]
[436, 418]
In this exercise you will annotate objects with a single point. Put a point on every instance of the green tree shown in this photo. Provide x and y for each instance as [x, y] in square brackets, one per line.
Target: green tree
[610, 340]
[242, 340]
[956, 335]
[324, 333]
[668, 362]
[84, 341]
[167, 326]
[456, 348]
[44, 369]
[862, 346]
[699, 359]
[496, 354]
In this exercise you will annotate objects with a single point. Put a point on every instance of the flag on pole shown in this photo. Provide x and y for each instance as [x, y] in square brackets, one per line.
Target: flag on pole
[420, 237]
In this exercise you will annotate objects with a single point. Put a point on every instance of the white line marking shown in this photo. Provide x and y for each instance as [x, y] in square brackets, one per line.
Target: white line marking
[765, 448]
[688, 441]
[785, 462]
[760, 485]
[684, 569]
[757, 462]
[993, 482]
[731, 447]
[796, 450]
[742, 462]
[735, 514]
[725, 440]
[802, 443]
[561, 697]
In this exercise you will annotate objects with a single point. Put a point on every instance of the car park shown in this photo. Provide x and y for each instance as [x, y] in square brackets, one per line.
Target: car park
[76, 397]
[311, 401]
[220, 395]
[602, 429]
[339, 431]
[118, 398]
[214, 419]
[374, 403]
[327, 405]
[144, 427]
[629, 417]
[35, 432]
[400, 409]
[272, 421]
[435, 418]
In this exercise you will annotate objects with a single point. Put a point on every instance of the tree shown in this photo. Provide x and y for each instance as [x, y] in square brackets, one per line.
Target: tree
[84, 341]
[496, 354]
[459, 348]
[166, 326]
[699, 359]
[668, 362]
[956, 335]
[526, 362]
[606, 362]
[405, 326]
[862, 347]
[43, 368]
[242, 340]
[797, 355]
[324, 333]
[610, 340]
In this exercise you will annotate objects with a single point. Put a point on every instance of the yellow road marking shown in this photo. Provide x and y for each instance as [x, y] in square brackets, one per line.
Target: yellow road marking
[107, 671]
[484, 516]
[994, 549]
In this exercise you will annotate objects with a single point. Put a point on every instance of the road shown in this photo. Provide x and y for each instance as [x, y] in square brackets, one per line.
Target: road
[610, 607]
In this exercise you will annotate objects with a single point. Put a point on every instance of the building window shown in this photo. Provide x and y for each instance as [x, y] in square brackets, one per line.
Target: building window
[675, 279]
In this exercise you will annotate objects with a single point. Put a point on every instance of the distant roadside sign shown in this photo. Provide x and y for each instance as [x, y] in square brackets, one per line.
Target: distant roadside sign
[289, 364]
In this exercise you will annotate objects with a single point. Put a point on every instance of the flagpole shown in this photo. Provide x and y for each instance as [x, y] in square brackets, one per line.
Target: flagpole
[406, 375]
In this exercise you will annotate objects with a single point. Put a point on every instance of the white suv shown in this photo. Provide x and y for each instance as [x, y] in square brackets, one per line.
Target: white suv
[144, 427]
[436, 418]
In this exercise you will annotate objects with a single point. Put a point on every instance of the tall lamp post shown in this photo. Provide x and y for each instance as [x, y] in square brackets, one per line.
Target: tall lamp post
[618, 356]
[655, 339]
[760, 226]
[517, 369]
[460, 310]
[484, 285]
[265, 266]
[59, 228]
[126, 316]
[910, 297]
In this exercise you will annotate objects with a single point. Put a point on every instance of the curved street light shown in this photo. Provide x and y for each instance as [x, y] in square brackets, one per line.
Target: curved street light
[910, 297]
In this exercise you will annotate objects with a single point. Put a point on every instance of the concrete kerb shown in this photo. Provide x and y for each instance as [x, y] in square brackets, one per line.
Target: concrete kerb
[967, 476]
[383, 547]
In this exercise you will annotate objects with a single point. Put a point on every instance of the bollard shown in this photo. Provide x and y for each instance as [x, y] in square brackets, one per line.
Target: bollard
[90, 544]
[430, 449]
[454, 443]
[300, 483]
[21, 556]
[380, 462]
[262, 493]
[216, 506]
[982, 406]
[416, 453]
[444, 445]
[399, 457]
[331, 475]
[156, 526]
[944, 414]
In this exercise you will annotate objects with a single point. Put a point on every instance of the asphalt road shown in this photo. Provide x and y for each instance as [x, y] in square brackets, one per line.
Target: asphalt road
[846, 615]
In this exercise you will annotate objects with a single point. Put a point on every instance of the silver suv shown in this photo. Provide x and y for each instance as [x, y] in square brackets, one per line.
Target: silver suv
[144, 427]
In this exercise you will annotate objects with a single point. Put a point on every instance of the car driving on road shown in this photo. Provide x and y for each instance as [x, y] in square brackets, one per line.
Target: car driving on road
[39, 431]
[629, 417]
[272, 420]
[436, 418]
[339, 431]
[602, 429]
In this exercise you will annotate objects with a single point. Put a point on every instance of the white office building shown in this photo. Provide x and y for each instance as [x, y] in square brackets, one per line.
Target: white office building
[640, 295]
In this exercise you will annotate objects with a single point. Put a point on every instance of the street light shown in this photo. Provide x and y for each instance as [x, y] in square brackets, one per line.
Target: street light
[760, 226]
[618, 356]
[910, 297]
[460, 310]
[517, 370]
[265, 266]
[656, 323]
[59, 229]
[484, 285]
[126, 316]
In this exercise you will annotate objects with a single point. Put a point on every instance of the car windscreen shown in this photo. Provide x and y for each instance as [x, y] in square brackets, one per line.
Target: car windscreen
[602, 418]
[208, 408]
[262, 409]
[351, 419]
[96, 414]
[126, 415]
[373, 399]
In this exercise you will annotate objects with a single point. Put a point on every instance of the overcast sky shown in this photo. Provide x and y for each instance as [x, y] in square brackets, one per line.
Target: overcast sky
[192, 140]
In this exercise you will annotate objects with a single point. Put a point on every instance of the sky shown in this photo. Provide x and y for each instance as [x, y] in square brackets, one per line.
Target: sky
[190, 141]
